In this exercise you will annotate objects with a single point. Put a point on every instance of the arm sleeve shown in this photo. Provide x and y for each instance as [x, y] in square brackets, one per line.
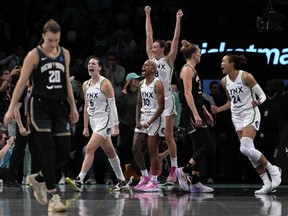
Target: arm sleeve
[257, 90]
[114, 114]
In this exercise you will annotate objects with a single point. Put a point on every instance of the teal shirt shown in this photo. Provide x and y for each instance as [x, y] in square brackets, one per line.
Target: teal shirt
[178, 109]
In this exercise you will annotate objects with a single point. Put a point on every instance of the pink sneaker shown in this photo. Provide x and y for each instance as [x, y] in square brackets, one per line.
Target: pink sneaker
[150, 186]
[172, 176]
[143, 181]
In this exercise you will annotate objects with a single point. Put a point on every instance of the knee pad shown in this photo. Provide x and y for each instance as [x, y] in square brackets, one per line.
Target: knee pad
[247, 148]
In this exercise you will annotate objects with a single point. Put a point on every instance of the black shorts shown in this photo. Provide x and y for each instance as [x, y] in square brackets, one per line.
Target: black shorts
[49, 116]
[188, 120]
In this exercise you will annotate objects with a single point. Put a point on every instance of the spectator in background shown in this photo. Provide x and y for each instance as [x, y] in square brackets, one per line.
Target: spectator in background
[5, 145]
[227, 144]
[123, 44]
[8, 82]
[20, 143]
[274, 116]
[115, 72]
[208, 169]
[15, 59]
[126, 105]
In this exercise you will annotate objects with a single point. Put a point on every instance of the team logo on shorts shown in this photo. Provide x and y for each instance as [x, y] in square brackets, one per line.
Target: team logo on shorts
[257, 124]
[163, 130]
[108, 131]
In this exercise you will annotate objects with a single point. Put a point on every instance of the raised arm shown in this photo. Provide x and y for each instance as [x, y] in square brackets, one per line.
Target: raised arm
[175, 42]
[149, 32]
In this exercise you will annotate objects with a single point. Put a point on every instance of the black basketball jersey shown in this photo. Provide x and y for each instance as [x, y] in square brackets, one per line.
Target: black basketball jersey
[196, 90]
[49, 77]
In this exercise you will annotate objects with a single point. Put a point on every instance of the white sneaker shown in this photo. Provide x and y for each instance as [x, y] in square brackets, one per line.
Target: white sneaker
[264, 190]
[55, 204]
[182, 179]
[275, 174]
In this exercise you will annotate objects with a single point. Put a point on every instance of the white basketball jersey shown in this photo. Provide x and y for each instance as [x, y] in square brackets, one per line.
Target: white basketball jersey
[241, 95]
[97, 101]
[164, 73]
[148, 96]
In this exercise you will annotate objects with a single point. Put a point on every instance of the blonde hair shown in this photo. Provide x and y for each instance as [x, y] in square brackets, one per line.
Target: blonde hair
[188, 49]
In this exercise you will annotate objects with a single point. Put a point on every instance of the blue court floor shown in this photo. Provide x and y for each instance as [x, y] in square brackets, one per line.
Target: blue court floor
[227, 199]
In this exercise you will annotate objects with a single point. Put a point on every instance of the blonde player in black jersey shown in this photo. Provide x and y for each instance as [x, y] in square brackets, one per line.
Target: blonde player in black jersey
[195, 118]
[48, 67]
[241, 89]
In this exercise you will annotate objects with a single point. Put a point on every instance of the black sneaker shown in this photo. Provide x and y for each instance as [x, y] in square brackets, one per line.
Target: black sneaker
[120, 185]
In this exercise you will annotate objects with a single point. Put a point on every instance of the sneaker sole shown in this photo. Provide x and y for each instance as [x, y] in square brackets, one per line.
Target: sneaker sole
[272, 190]
[139, 188]
[120, 188]
[166, 183]
[151, 190]
[71, 183]
[61, 209]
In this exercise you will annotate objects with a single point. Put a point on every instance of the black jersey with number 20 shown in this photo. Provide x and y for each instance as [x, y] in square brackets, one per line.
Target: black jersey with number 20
[49, 77]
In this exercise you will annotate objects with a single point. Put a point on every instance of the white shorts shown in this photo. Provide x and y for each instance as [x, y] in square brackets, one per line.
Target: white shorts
[101, 124]
[170, 107]
[156, 128]
[246, 118]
